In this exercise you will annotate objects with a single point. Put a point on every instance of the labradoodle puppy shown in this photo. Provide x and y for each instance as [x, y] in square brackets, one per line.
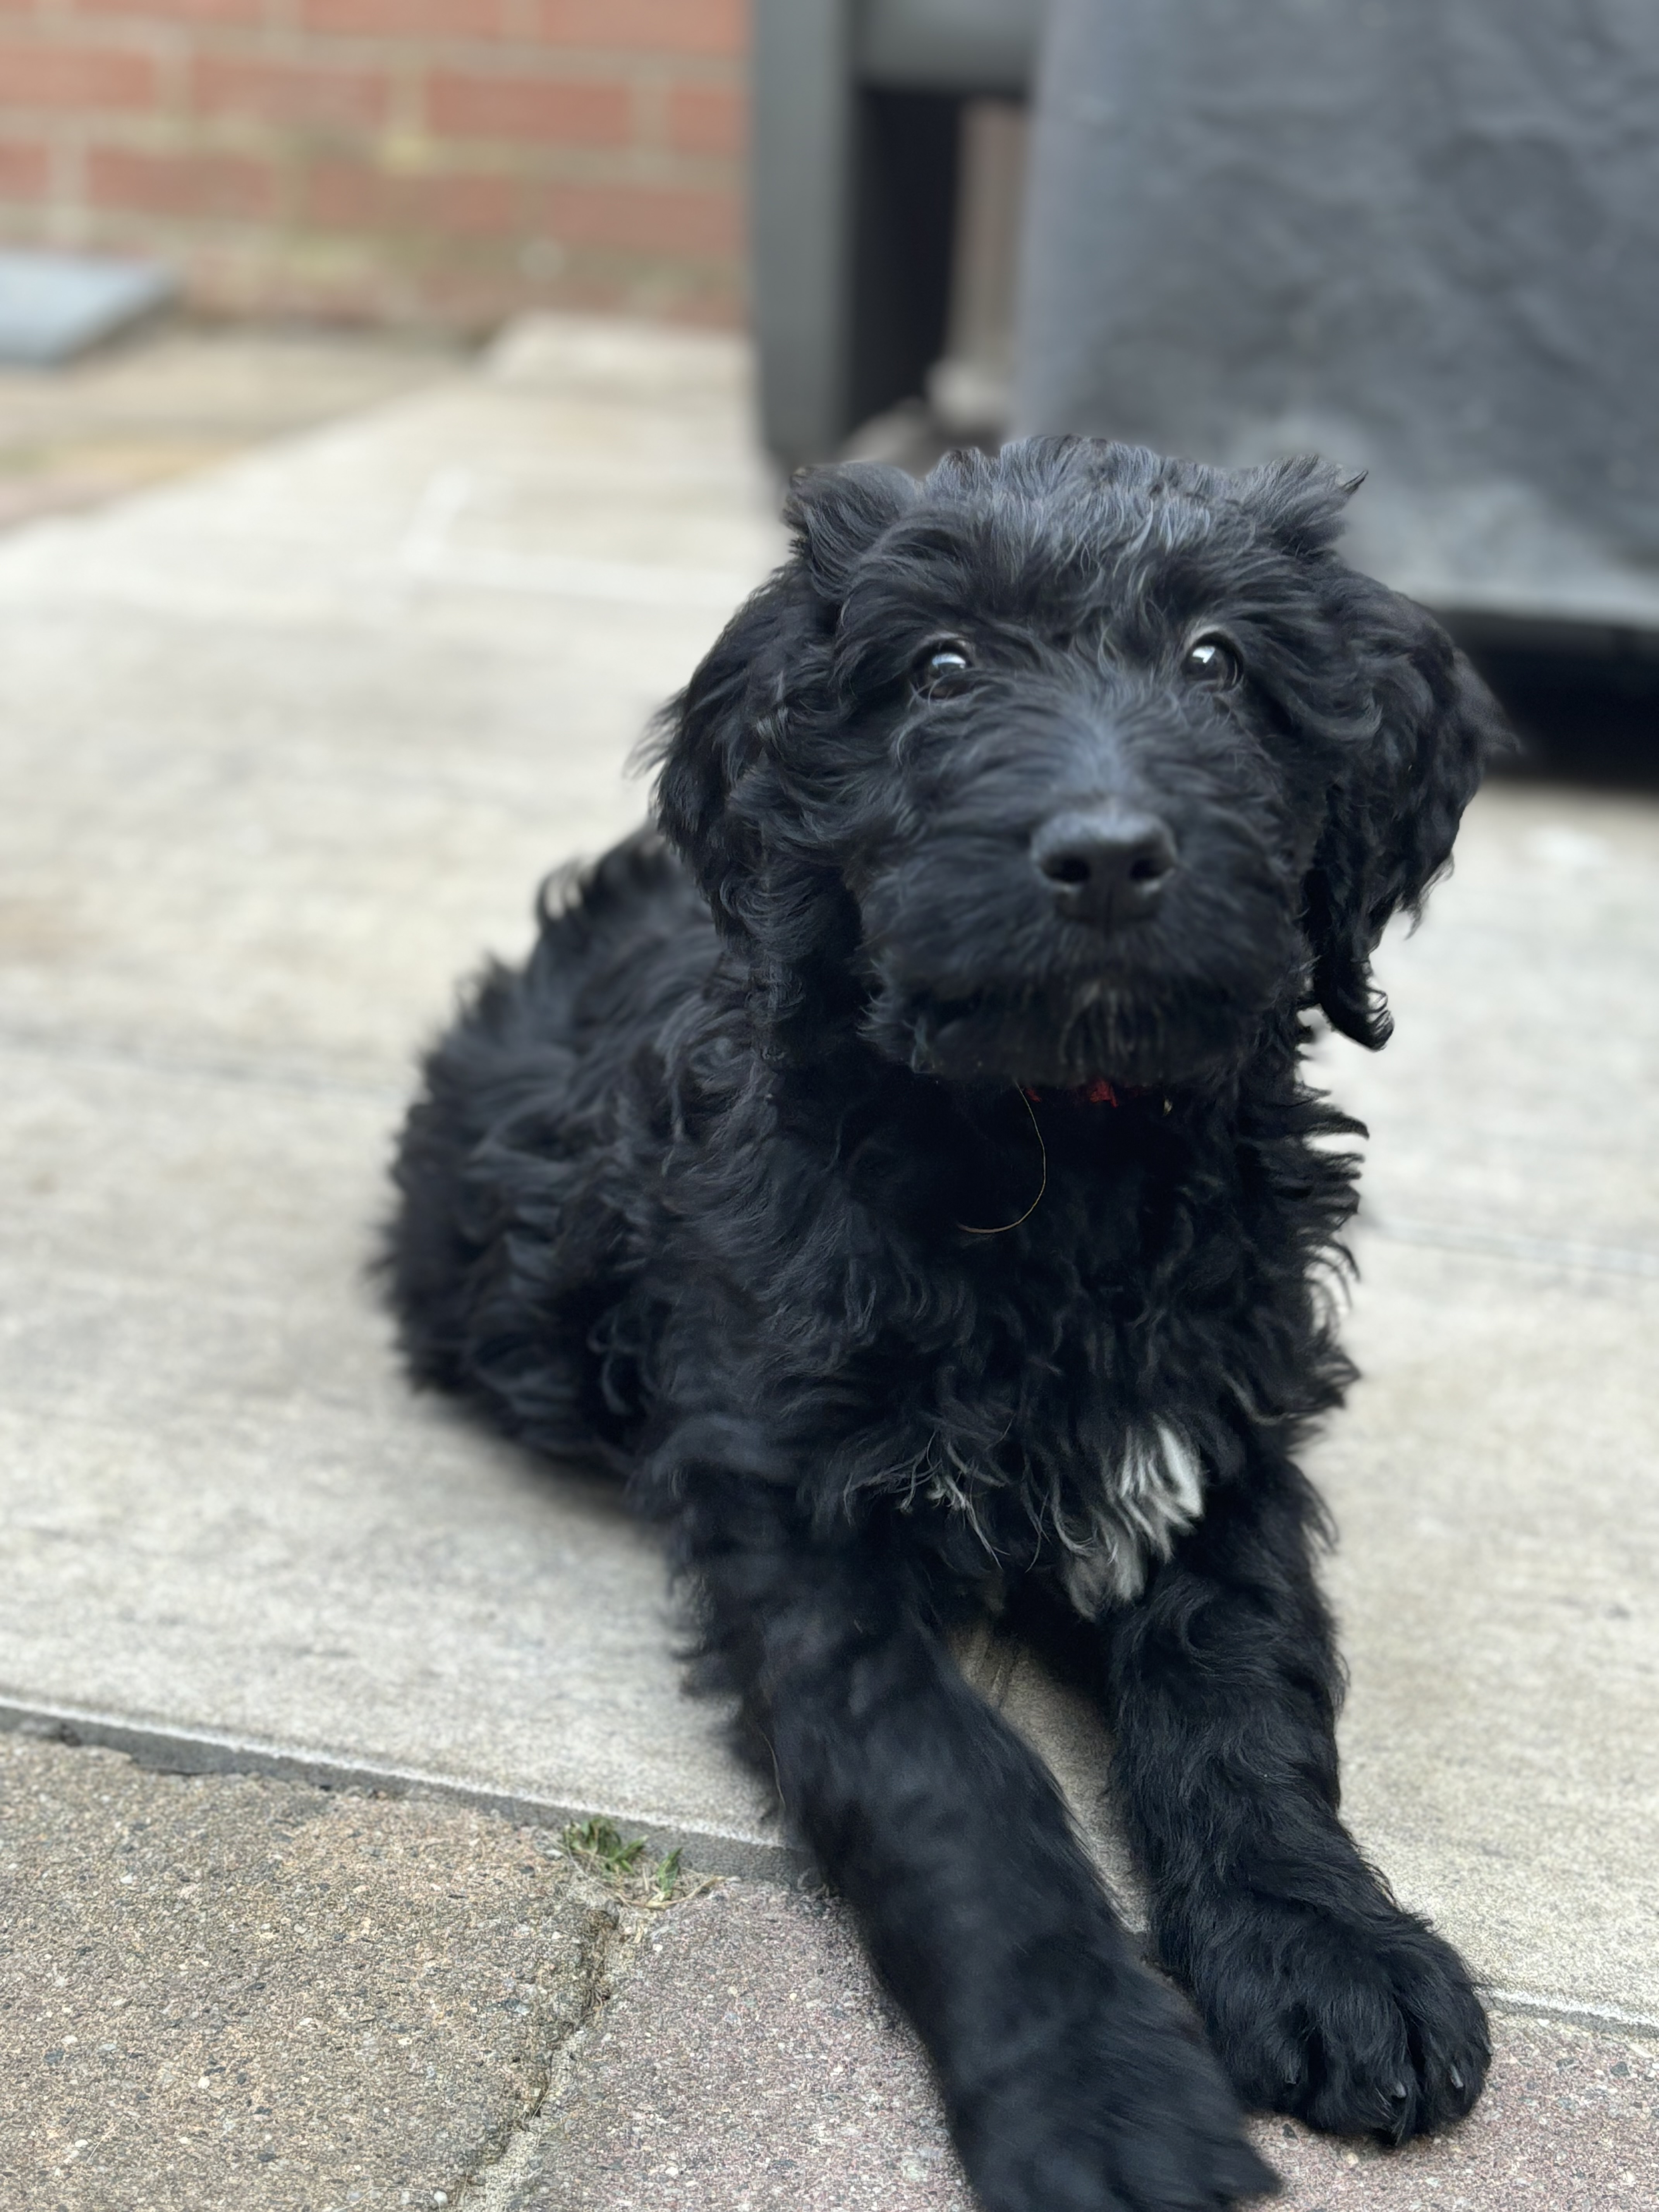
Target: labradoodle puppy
[898, 1164]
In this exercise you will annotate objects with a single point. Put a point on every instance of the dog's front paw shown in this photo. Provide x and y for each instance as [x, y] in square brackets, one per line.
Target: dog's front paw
[1360, 2024]
[1126, 2112]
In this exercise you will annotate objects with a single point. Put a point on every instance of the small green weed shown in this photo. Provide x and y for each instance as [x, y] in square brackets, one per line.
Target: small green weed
[600, 1843]
[600, 1846]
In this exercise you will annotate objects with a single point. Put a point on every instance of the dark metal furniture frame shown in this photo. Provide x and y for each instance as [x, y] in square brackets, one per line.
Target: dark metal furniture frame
[856, 111]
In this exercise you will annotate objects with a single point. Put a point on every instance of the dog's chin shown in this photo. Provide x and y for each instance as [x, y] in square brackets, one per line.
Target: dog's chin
[1065, 1039]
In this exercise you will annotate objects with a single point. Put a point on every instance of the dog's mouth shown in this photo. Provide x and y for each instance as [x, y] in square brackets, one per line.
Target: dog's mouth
[1006, 994]
[1095, 1037]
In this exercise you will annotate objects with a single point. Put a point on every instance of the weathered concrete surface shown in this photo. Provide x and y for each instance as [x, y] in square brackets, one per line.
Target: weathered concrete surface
[220, 1989]
[178, 398]
[1569, 2123]
[277, 765]
[1494, 1477]
[1494, 1487]
[746, 2059]
[1517, 1095]
[284, 750]
[223, 1507]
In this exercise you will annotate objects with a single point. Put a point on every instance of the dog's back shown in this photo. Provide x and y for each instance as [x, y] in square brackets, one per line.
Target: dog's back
[511, 1254]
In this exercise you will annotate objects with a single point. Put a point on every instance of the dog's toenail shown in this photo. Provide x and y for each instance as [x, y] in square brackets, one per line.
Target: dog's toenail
[1456, 2078]
[1398, 2091]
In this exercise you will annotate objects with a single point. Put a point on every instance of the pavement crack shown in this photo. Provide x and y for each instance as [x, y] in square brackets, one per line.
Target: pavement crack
[618, 1933]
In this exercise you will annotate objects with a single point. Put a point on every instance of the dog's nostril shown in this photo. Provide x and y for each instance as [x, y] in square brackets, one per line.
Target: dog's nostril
[1148, 868]
[1066, 868]
[1106, 866]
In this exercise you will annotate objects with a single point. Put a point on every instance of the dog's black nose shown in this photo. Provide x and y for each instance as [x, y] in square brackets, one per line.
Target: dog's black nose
[1107, 866]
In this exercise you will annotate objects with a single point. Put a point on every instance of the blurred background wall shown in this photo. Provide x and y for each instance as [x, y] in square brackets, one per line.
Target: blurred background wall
[846, 181]
[433, 162]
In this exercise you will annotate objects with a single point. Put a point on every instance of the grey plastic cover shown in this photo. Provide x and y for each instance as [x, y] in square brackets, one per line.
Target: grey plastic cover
[1419, 236]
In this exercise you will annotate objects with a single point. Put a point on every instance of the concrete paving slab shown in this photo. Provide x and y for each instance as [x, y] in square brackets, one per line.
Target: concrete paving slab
[285, 750]
[1517, 1098]
[607, 463]
[231, 1990]
[245, 855]
[225, 1989]
[225, 1510]
[286, 846]
[1493, 1484]
[180, 396]
[747, 2059]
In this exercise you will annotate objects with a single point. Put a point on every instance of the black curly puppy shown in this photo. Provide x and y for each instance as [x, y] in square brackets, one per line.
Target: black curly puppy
[911, 1184]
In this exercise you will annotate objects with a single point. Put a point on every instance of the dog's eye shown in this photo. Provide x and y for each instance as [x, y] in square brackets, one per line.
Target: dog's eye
[1212, 661]
[940, 668]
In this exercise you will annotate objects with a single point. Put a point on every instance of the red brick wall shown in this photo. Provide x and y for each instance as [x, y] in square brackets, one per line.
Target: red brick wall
[403, 160]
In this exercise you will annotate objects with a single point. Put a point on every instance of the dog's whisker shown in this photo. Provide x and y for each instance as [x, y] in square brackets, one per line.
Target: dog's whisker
[1042, 1182]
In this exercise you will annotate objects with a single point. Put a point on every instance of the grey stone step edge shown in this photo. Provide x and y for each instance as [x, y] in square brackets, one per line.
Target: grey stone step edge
[168, 1748]
[706, 1847]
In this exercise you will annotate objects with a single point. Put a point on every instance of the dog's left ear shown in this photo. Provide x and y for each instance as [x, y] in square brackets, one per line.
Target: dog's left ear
[1395, 809]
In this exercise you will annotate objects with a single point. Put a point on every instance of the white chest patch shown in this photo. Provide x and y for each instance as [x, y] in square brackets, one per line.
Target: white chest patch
[1143, 1501]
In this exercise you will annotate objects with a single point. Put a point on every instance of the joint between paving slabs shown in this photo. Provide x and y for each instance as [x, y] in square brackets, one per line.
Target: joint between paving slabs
[628, 1893]
[494, 2187]
[491, 2186]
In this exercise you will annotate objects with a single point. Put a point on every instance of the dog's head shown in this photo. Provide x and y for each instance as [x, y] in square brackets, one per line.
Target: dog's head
[1072, 764]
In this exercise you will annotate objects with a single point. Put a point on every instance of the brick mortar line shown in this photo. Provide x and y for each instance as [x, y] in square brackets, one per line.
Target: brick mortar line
[79, 35]
[186, 129]
[178, 70]
[396, 153]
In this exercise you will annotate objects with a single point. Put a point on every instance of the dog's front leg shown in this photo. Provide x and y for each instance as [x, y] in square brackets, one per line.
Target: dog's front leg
[1074, 2081]
[1323, 1997]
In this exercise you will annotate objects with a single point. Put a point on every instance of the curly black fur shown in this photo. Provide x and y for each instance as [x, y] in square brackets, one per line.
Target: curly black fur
[921, 1237]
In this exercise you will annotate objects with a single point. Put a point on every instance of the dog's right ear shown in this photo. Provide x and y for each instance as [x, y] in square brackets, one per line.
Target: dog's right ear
[711, 745]
[835, 515]
[716, 744]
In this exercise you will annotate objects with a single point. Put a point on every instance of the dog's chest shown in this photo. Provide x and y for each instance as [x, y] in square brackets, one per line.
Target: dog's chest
[1063, 1390]
[1083, 1433]
[1113, 1521]
[1109, 1458]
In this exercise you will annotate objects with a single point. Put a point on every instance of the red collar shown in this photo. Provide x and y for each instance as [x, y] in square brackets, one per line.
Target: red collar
[1097, 1093]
